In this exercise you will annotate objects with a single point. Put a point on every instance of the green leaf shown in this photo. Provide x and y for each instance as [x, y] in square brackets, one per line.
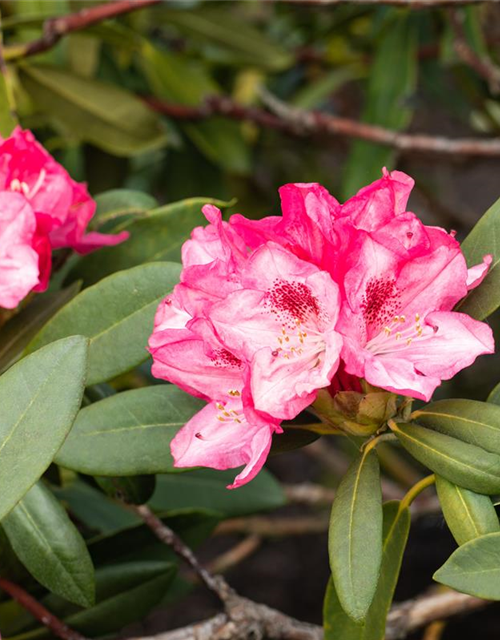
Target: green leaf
[40, 397]
[206, 489]
[157, 237]
[116, 315]
[474, 568]
[477, 423]
[494, 396]
[132, 490]
[483, 239]
[117, 203]
[292, 439]
[245, 44]
[172, 77]
[467, 514]
[50, 547]
[338, 625]
[388, 100]
[355, 536]
[23, 326]
[93, 111]
[7, 118]
[459, 462]
[128, 433]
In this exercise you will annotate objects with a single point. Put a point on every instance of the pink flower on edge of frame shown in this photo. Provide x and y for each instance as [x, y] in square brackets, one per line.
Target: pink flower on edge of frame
[400, 332]
[19, 271]
[63, 206]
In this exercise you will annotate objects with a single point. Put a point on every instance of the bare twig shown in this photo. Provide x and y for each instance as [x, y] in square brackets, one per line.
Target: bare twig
[39, 612]
[236, 554]
[482, 65]
[55, 28]
[275, 527]
[298, 122]
[164, 533]
[309, 493]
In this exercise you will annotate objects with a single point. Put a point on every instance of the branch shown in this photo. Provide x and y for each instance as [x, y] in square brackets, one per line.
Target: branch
[298, 122]
[411, 4]
[264, 622]
[39, 612]
[275, 527]
[482, 65]
[55, 28]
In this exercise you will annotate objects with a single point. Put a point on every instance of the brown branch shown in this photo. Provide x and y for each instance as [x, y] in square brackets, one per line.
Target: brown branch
[482, 65]
[56, 28]
[275, 527]
[235, 555]
[39, 612]
[298, 122]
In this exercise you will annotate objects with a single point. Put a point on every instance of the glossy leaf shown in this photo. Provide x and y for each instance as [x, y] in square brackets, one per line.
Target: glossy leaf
[474, 568]
[128, 433]
[50, 547]
[467, 514]
[477, 423]
[40, 397]
[23, 326]
[337, 624]
[156, 237]
[97, 112]
[292, 439]
[117, 203]
[484, 239]
[206, 489]
[116, 315]
[459, 462]
[355, 536]
[388, 100]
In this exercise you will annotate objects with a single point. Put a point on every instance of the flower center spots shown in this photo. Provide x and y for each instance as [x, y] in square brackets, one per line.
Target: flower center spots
[399, 334]
[224, 358]
[292, 302]
[380, 302]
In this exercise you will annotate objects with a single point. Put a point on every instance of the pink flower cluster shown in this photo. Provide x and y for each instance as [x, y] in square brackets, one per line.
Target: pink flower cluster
[41, 209]
[267, 311]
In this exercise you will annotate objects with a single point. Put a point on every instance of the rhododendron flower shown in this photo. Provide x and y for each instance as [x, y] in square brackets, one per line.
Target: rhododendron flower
[330, 298]
[63, 206]
[18, 260]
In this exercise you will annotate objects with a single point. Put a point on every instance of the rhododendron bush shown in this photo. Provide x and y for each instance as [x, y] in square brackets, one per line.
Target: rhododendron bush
[315, 357]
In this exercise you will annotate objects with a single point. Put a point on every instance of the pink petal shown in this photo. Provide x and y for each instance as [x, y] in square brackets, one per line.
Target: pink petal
[477, 273]
[94, 240]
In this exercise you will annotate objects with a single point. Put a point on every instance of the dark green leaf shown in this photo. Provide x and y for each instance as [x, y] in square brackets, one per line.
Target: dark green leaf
[23, 326]
[132, 490]
[206, 488]
[93, 111]
[494, 396]
[459, 462]
[484, 239]
[128, 433]
[292, 439]
[355, 536]
[116, 315]
[388, 100]
[467, 514]
[477, 423]
[338, 625]
[474, 568]
[117, 203]
[39, 396]
[156, 237]
[50, 547]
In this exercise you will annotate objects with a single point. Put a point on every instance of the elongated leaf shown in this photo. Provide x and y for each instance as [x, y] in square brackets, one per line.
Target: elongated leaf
[40, 397]
[94, 111]
[128, 433]
[477, 423]
[474, 568]
[172, 77]
[7, 117]
[243, 43]
[467, 514]
[355, 536]
[117, 203]
[21, 328]
[484, 239]
[388, 100]
[459, 462]
[156, 237]
[50, 547]
[206, 488]
[338, 625]
[116, 315]
[494, 396]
